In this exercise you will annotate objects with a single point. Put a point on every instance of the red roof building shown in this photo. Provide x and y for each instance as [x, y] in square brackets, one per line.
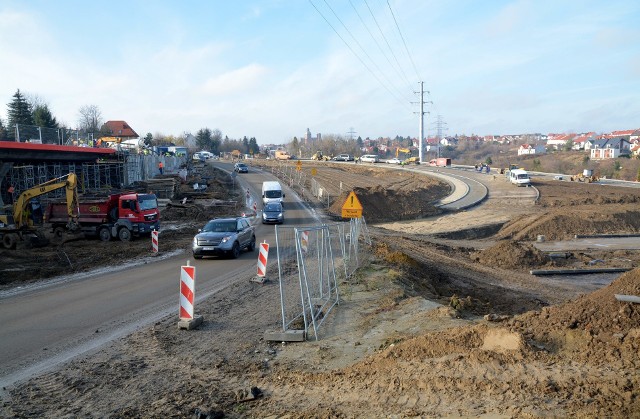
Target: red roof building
[120, 129]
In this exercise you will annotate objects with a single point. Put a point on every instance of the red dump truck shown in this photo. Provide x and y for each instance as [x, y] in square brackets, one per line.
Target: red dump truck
[121, 215]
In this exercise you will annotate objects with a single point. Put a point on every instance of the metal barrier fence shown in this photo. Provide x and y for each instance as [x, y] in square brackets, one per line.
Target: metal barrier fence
[43, 135]
[312, 261]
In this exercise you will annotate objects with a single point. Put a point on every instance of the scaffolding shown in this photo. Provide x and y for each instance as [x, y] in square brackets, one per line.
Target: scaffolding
[91, 176]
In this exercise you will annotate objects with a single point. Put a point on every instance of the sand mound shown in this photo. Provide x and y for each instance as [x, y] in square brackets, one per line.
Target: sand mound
[511, 255]
[382, 204]
[594, 328]
[561, 224]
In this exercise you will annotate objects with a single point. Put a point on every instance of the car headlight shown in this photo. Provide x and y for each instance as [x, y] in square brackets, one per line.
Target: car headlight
[280, 215]
[226, 239]
[195, 241]
[264, 216]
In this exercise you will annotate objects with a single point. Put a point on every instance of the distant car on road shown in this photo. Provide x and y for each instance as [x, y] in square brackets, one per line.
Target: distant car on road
[370, 158]
[343, 157]
[394, 160]
[241, 168]
[224, 236]
[273, 212]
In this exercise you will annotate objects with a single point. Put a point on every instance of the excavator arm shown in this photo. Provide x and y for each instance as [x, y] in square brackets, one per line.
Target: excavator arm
[69, 182]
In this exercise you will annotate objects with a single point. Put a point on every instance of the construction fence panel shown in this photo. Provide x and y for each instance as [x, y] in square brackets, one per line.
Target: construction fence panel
[307, 276]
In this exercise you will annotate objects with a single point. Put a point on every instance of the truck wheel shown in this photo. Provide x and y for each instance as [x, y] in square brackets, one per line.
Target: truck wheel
[235, 251]
[9, 241]
[124, 234]
[104, 234]
[58, 234]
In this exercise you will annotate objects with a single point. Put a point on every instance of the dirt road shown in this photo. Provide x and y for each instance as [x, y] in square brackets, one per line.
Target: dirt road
[442, 319]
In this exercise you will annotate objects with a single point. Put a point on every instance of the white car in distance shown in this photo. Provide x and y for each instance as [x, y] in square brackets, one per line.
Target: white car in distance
[369, 158]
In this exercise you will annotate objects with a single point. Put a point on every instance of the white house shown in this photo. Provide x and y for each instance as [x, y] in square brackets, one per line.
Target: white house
[527, 149]
[559, 141]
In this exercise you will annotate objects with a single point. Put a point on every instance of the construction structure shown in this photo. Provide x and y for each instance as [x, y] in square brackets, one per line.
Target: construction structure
[24, 165]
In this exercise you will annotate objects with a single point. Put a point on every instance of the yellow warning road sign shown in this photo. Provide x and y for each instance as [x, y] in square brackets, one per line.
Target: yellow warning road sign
[352, 208]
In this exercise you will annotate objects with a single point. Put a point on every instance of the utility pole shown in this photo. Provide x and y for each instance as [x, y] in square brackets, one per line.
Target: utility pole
[422, 112]
[440, 126]
[351, 132]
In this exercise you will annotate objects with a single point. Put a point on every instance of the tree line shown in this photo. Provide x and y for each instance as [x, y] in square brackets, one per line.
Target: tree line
[31, 110]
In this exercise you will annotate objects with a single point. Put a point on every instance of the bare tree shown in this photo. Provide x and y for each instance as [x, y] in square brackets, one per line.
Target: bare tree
[90, 118]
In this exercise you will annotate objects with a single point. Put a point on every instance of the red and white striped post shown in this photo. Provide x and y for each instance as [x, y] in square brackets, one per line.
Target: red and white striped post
[304, 240]
[154, 241]
[263, 255]
[187, 297]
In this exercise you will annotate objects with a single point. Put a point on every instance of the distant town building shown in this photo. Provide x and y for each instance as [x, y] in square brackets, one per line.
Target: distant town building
[308, 139]
[527, 149]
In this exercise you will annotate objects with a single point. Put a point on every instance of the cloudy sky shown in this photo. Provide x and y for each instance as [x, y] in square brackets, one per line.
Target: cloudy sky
[270, 69]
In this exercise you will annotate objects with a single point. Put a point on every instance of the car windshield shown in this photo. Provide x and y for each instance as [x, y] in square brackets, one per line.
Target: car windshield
[220, 226]
[241, 165]
[272, 208]
[272, 194]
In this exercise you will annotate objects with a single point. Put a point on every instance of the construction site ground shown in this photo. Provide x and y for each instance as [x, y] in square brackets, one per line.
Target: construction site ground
[442, 318]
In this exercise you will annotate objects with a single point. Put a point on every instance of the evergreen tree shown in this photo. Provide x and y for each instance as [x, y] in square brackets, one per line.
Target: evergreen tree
[245, 144]
[253, 146]
[19, 112]
[203, 139]
[3, 131]
[216, 140]
[42, 117]
[148, 140]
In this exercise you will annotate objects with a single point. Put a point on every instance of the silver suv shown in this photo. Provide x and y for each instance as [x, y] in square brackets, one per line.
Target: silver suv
[224, 236]
[343, 157]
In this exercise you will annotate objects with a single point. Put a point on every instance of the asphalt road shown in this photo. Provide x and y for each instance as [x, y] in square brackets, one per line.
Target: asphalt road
[44, 326]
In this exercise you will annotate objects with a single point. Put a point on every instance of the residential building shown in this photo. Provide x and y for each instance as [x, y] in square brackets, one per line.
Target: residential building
[559, 141]
[609, 148]
[527, 149]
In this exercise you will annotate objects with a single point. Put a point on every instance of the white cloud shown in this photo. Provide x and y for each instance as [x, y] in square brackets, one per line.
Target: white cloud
[241, 79]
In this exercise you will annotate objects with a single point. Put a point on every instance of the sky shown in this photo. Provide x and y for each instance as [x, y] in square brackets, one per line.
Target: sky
[270, 69]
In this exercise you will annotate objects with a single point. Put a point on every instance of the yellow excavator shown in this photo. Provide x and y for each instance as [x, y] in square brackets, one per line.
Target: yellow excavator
[407, 154]
[16, 223]
[320, 157]
[406, 151]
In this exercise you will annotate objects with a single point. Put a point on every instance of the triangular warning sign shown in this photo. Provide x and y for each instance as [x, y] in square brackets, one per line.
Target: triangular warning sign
[352, 202]
[352, 208]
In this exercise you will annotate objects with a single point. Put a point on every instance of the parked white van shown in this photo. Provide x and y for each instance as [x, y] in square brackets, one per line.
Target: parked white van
[519, 177]
[272, 192]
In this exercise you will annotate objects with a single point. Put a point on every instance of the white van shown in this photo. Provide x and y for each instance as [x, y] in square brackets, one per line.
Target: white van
[519, 177]
[272, 192]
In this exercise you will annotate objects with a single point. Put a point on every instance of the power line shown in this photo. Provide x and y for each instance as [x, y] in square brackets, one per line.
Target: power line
[362, 48]
[356, 55]
[384, 54]
[388, 45]
[403, 41]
